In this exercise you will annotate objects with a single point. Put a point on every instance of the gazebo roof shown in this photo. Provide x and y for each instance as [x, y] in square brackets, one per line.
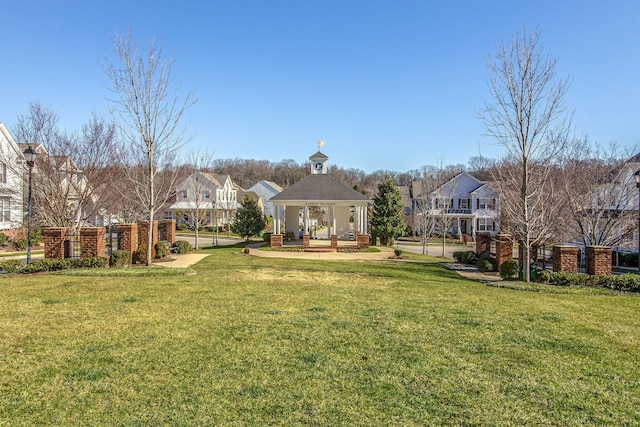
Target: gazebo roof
[319, 188]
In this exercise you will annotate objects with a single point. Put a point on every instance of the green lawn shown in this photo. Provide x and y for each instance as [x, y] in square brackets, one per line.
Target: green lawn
[257, 341]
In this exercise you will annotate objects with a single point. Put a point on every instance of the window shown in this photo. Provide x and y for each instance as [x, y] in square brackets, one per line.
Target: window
[184, 194]
[3, 173]
[168, 215]
[463, 204]
[444, 203]
[207, 194]
[5, 210]
[485, 224]
[486, 203]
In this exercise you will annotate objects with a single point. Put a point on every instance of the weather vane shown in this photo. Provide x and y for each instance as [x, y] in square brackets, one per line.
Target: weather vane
[320, 144]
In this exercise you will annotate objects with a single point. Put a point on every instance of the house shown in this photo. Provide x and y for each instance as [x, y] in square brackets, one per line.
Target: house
[63, 196]
[266, 190]
[205, 199]
[12, 184]
[464, 205]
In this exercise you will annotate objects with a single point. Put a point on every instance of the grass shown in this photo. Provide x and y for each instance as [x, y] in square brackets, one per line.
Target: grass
[257, 341]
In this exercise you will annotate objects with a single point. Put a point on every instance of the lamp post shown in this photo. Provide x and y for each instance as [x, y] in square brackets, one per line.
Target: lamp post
[30, 158]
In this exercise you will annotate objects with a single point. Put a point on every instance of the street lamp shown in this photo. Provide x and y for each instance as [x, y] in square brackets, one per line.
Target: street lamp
[30, 157]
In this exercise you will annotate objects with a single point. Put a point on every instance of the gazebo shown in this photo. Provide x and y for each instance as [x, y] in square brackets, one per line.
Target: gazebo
[345, 207]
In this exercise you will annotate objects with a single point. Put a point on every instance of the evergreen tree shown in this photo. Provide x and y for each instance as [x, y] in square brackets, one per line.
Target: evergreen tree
[387, 222]
[249, 220]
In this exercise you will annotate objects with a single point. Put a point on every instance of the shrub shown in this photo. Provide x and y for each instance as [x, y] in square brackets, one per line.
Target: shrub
[543, 276]
[486, 264]
[47, 264]
[20, 245]
[560, 278]
[457, 255]
[120, 259]
[3, 239]
[246, 251]
[140, 255]
[162, 250]
[509, 270]
[181, 227]
[397, 252]
[267, 237]
[11, 265]
[90, 262]
[624, 282]
[182, 246]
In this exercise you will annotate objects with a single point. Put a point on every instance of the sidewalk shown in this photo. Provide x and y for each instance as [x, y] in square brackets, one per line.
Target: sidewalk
[472, 272]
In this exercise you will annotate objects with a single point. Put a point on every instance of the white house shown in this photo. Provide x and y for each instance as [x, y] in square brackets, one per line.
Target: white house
[12, 169]
[266, 190]
[215, 197]
[467, 205]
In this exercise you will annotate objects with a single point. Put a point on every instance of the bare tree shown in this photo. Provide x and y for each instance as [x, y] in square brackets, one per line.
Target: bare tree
[600, 192]
[147, 110]
[72, 175]
[527, 118]
[200, 191]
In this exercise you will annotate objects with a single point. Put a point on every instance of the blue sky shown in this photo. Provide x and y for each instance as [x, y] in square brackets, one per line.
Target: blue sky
[386, 84]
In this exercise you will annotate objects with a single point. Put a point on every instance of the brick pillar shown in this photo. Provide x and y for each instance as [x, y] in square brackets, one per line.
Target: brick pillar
[305, 240]
[276, 240]
[143, 230]
[54, 241]
[363, 240]
[598, 260]
[533, 253]
[334, 240]
[92, 241]
[483, 243]
[504, 249]
[167, 230]
[565, 258]
[127, 237]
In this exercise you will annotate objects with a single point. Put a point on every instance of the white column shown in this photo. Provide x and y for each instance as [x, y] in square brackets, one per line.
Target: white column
[333, 219]
[276, 220]
[305, 221]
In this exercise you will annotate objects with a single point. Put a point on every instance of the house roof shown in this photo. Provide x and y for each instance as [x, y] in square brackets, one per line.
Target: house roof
[11, 141]
[318, 156]
[320, 187]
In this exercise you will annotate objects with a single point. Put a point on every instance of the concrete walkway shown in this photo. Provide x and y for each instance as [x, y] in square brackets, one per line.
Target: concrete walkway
[181, 261]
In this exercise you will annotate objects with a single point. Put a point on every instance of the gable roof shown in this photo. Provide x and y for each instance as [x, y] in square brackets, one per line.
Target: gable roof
[319, 156]
[322, 188]
[12, 143]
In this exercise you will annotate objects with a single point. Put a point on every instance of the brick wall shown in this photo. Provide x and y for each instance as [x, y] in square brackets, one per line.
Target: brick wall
[305, 240]
[565, 258]
[127, 237]
[504, 249]
[54, 241]
[276, 240]
[334, 240]
[143, 230]
[167, 230]
[483, 243]
[92, 241]
[362, 240]
[598, 260]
